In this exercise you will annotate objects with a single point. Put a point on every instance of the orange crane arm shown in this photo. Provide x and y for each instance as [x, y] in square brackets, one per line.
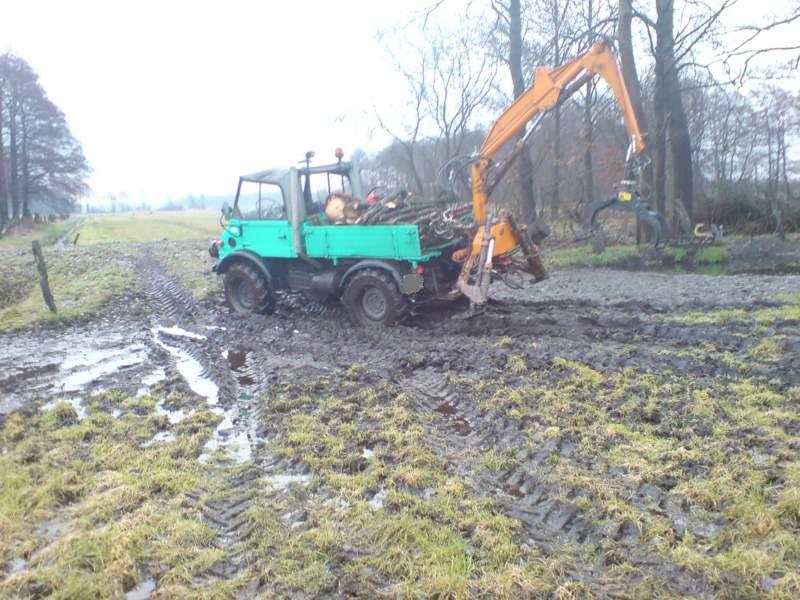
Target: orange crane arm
[549, 89]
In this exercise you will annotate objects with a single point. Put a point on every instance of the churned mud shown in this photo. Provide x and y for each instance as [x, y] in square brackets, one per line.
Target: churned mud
[603, 433]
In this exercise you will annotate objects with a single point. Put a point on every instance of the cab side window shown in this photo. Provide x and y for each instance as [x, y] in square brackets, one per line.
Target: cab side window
[318, 186]
[261, 201]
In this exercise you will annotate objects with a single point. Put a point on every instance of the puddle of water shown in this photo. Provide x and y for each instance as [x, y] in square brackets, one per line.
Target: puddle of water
[84, 367]
[76, 403]
[142, 591]
[52, 530]
[236, 444]
[178, 332]
[376, 502]
[173, 416]
[462, 426]
[16, 565]
[191, 370]
[161, 436]
[150, 380]
[459, 424]
[514, 491]
[237, 361]
[281, 482]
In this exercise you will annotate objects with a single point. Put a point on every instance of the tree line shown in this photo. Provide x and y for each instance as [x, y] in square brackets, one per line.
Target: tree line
[41, 163]
[719, 125]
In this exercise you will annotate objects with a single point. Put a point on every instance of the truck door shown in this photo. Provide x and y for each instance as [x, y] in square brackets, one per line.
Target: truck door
[264, 220]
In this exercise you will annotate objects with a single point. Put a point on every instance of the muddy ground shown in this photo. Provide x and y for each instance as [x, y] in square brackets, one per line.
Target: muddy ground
[603, 433]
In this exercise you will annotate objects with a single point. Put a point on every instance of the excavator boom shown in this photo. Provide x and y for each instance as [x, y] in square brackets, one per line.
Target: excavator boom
[549, 89]
[498, 240]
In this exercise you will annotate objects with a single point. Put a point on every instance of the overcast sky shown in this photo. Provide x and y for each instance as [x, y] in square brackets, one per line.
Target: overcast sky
[176, 97]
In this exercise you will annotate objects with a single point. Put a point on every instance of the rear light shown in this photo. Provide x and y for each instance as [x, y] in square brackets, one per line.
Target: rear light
[420, 269]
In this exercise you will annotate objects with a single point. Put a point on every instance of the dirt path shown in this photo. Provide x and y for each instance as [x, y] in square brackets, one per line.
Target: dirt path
[528, 407]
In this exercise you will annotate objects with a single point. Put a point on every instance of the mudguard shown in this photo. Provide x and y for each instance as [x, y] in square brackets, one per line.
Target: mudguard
[659, 226]
[386, 265]
[242, 255]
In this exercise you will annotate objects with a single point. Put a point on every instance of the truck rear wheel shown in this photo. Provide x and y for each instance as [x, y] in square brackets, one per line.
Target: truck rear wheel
[247, 290]
[372, 299]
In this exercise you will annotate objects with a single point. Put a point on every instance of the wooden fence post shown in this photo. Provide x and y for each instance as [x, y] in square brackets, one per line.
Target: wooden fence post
[42, 267]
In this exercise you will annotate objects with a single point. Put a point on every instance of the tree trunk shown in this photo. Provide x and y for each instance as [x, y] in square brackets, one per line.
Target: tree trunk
[556, 116]
[3, 183]
[588, 140]
[629, 73]
[588, 125]
[524, 164]
[25, 191]
[13, 158]
[671, 104]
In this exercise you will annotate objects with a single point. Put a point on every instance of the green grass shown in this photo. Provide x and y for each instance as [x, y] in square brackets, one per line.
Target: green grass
[728, 442]
[116, 512]
[430, 538]
[630, 255]
[81, 282]
[190, 263]
[582, 256]
[47, 234]
[762, 317]
[150, 226]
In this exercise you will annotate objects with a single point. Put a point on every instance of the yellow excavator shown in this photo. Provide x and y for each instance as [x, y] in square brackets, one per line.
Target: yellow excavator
[499, 241]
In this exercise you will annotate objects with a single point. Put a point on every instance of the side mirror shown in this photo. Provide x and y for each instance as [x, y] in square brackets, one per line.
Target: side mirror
[227, 211]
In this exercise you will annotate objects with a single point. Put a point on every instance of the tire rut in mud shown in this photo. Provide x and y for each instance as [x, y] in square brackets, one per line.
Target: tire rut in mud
[548, 513]
[180, 328]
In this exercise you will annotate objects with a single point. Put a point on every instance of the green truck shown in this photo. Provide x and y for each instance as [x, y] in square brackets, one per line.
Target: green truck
[277, 236]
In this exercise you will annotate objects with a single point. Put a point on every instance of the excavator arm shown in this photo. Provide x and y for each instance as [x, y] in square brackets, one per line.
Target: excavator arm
[550, 88]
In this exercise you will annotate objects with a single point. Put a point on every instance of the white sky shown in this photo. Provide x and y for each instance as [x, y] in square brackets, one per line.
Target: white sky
[174, 97]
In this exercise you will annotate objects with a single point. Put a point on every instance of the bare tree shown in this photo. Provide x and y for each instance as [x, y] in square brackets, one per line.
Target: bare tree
[510, 27]
[450, 80]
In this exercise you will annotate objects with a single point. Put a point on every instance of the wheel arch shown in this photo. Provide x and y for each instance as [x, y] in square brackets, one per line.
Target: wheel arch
[243, 256]
[384, 265]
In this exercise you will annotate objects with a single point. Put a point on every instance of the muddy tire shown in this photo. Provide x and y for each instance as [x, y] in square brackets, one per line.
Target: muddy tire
[247, 290]
[372, 299]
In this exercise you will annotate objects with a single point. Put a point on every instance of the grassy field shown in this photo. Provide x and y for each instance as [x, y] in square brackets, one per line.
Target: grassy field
[82, 281]
[46, 233]
[105, 228]
[149, 226]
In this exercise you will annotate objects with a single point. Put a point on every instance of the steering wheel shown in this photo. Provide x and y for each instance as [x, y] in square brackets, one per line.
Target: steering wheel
[274, 212]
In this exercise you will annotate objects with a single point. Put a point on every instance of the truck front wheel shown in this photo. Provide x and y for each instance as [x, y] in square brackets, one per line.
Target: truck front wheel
[372, 299]
[247, 290]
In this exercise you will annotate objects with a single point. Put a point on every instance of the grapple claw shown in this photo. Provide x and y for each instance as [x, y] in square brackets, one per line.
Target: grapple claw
[661, 231]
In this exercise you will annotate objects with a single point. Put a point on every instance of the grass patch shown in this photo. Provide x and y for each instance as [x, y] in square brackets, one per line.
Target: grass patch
[92, 511]
[82, 282]
[47, 233]
[149, 226]
[428, 536]
[190, 263]
[759, 317]
[583, 256]
[632, 255]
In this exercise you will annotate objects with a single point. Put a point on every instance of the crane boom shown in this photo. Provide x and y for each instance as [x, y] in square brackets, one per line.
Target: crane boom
[500, 239]
[550, 88]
